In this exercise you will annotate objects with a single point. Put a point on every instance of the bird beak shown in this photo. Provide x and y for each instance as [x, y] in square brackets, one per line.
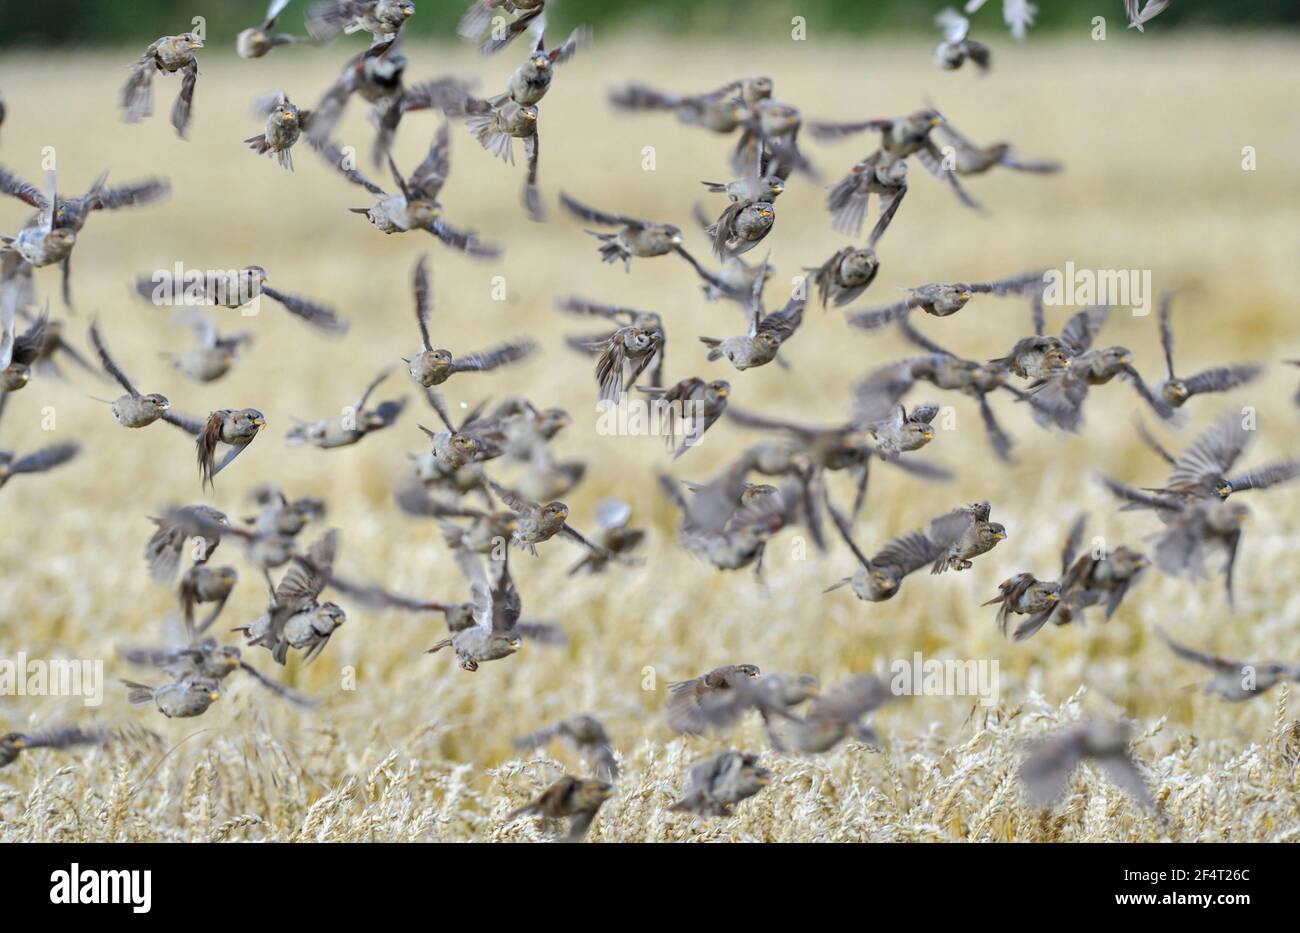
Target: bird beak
[214, 696]
[196, 44]
[966, 296]
[1053, 597]
[999, 535]
[259, 421]
[1126, 358]
[724, 392]
[19, 743]
[936, 120]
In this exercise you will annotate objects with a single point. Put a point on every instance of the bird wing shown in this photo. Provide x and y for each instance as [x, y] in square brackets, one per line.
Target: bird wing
[1211, 455]
[105, 359]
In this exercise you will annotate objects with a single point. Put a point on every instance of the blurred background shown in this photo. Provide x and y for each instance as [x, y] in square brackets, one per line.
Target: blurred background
[1151, 129]
[94, 21]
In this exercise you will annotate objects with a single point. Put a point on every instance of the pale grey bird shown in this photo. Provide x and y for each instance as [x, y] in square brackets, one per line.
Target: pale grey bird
[719, 111]
[691, 407]
[620, 316]
[1091, 577]
[1051, 761]
[231, 427]
[40, 242]
[208, 661]
[201, 584]
[717, 784]
[256, 41]
[881, 174]
[356, 421]
[183, 699]
[941, 299]
[835, 715]
[296, 618]
[614, 535]
[1235, 681]
[537, 522]
[381, 18]
[587, 736]
[974, 159]
[285, 124]
[1192, 526]
[879, 577]
[773, 696]
[899, 431]
[486, 22]
[215, 354]
[846, 275]
[635, 237]
[957, 46]
[433, 366]
[497, 608]
[1177, 390]
[171, 532]
[167, 55]
[766, 335]
[235, 289]
[135, 410]
[964, 534]
[1137, 19]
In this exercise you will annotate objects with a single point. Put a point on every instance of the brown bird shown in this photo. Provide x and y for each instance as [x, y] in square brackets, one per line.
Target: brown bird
[134, 410]
[1235, 681]
[167, 55]
[235, 428]
[941, 299]
[15, 743]
[687, 696]
[586, 734]
[1050, 762]
[573, 798]
[636, 237]
[1175, 390]
[717, 784]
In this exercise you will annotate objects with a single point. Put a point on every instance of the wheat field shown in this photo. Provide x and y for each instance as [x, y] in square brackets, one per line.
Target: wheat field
[1151, 130]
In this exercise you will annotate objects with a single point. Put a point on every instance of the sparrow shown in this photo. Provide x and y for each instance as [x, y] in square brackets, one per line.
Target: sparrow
[279, 515]
[204, 583]
[623, 317]
[1037, 359]
[941, 299]
[1204, 470]
[163, 551]
[1050, 762]
[19, 354]
[693, 406]
[774, 696]
[381, 18]
[1090, 578]
[571, 797]
[879, 577]
[643, 238]
[531, 80]
[957, 46]
[256, 41]
[587, 736]
[1235, 681]
[356, 422]
[377, 76]
[881, 174]
[296, 618]
[846, 275]
[770, 122]
[1191, 525]
[39, 243]
[486, 532]
[943, 370]
[1138, 19]
[38, 461]
[69, 215]
[497, 608]
[1026, 595]
[717, 784]
[622, 356]
[614, 536]
[962, 535]
[134, 410]
[766, 335]
[900, 138]
[235, 290]
[215, 355]
[15, 743]
[1058, 399]
[741, 227]
[1175, 391]
[720, 111]
[182, 699]
[835, 715]
[484, 22]
[415, 206]
[167, 55]
[687, 697]
[206, 660]
[236, 428]
[53, 348]
[900, 431]
[973, 159]
[537, 521]
[285, 123]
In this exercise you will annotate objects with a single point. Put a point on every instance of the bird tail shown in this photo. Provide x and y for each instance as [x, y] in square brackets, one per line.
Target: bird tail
[640, 97]
[258, 144]
[452, 534]
[445, 643]
[712, 344]
[137, 96]
[940, 565]
[137, 694]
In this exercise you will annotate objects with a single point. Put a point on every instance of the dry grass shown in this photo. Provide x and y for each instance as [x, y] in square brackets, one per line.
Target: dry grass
[1152, 133]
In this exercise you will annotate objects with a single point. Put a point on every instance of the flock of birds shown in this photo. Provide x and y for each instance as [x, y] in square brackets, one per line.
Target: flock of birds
[728, 520]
